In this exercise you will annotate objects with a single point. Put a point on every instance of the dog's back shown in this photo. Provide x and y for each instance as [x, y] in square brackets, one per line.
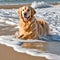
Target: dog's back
[44, 26]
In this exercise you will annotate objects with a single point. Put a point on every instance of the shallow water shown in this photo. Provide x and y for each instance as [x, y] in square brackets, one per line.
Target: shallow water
[52, 49]
[25, 1]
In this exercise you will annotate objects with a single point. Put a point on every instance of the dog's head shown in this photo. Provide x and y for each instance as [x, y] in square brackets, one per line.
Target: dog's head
[26, 12]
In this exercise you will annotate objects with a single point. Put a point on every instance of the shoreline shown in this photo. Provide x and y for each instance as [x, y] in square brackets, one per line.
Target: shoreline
[7, 53]
[16, 6]
[12, 6]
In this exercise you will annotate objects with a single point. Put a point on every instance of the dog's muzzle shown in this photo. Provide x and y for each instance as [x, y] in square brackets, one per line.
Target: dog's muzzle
[26, 16]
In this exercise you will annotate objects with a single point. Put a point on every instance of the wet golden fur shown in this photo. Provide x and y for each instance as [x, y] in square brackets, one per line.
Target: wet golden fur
[31, 28]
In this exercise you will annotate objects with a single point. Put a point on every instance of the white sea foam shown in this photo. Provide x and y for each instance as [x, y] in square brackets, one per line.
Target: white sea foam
[10, 41]
[40, 4]
[11, 23]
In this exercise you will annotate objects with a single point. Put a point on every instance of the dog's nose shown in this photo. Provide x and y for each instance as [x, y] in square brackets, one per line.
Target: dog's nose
[25, 14]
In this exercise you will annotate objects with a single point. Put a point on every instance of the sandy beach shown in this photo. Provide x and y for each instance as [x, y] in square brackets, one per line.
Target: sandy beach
[11, 6]
[7, 53]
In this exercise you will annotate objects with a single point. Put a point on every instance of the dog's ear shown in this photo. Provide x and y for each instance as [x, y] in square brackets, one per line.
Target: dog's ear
[19, 11]
[33, 11]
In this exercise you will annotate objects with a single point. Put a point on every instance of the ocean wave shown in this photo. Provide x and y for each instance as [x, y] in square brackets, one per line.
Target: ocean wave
[12, 42]
[41, 4]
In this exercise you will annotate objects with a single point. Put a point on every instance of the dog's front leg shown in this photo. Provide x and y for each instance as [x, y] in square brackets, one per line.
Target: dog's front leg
[18, 35]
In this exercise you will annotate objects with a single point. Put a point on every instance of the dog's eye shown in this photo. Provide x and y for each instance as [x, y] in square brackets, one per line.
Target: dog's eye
[28, 10]
[23, 9]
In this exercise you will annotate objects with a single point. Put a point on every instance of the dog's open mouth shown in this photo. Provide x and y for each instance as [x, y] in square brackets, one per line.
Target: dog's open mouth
[26, 17]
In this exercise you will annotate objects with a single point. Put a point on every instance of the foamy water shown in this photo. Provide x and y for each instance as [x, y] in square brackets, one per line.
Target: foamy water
[9, 17]
[51, 50]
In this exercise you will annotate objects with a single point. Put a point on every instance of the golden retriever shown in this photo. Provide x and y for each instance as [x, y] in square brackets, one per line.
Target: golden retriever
[30, 28]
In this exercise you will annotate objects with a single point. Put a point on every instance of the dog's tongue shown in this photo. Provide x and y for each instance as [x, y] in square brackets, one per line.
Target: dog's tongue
[25, 18]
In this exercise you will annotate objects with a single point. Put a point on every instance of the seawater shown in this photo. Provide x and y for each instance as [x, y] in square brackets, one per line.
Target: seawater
[52, 48]
[25, 1]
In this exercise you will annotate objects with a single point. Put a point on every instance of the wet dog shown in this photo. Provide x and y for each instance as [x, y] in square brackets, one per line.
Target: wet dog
[30, 27]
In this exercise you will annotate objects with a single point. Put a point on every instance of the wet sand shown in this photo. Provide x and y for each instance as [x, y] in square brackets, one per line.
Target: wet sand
[11, 6]
[7, 53]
